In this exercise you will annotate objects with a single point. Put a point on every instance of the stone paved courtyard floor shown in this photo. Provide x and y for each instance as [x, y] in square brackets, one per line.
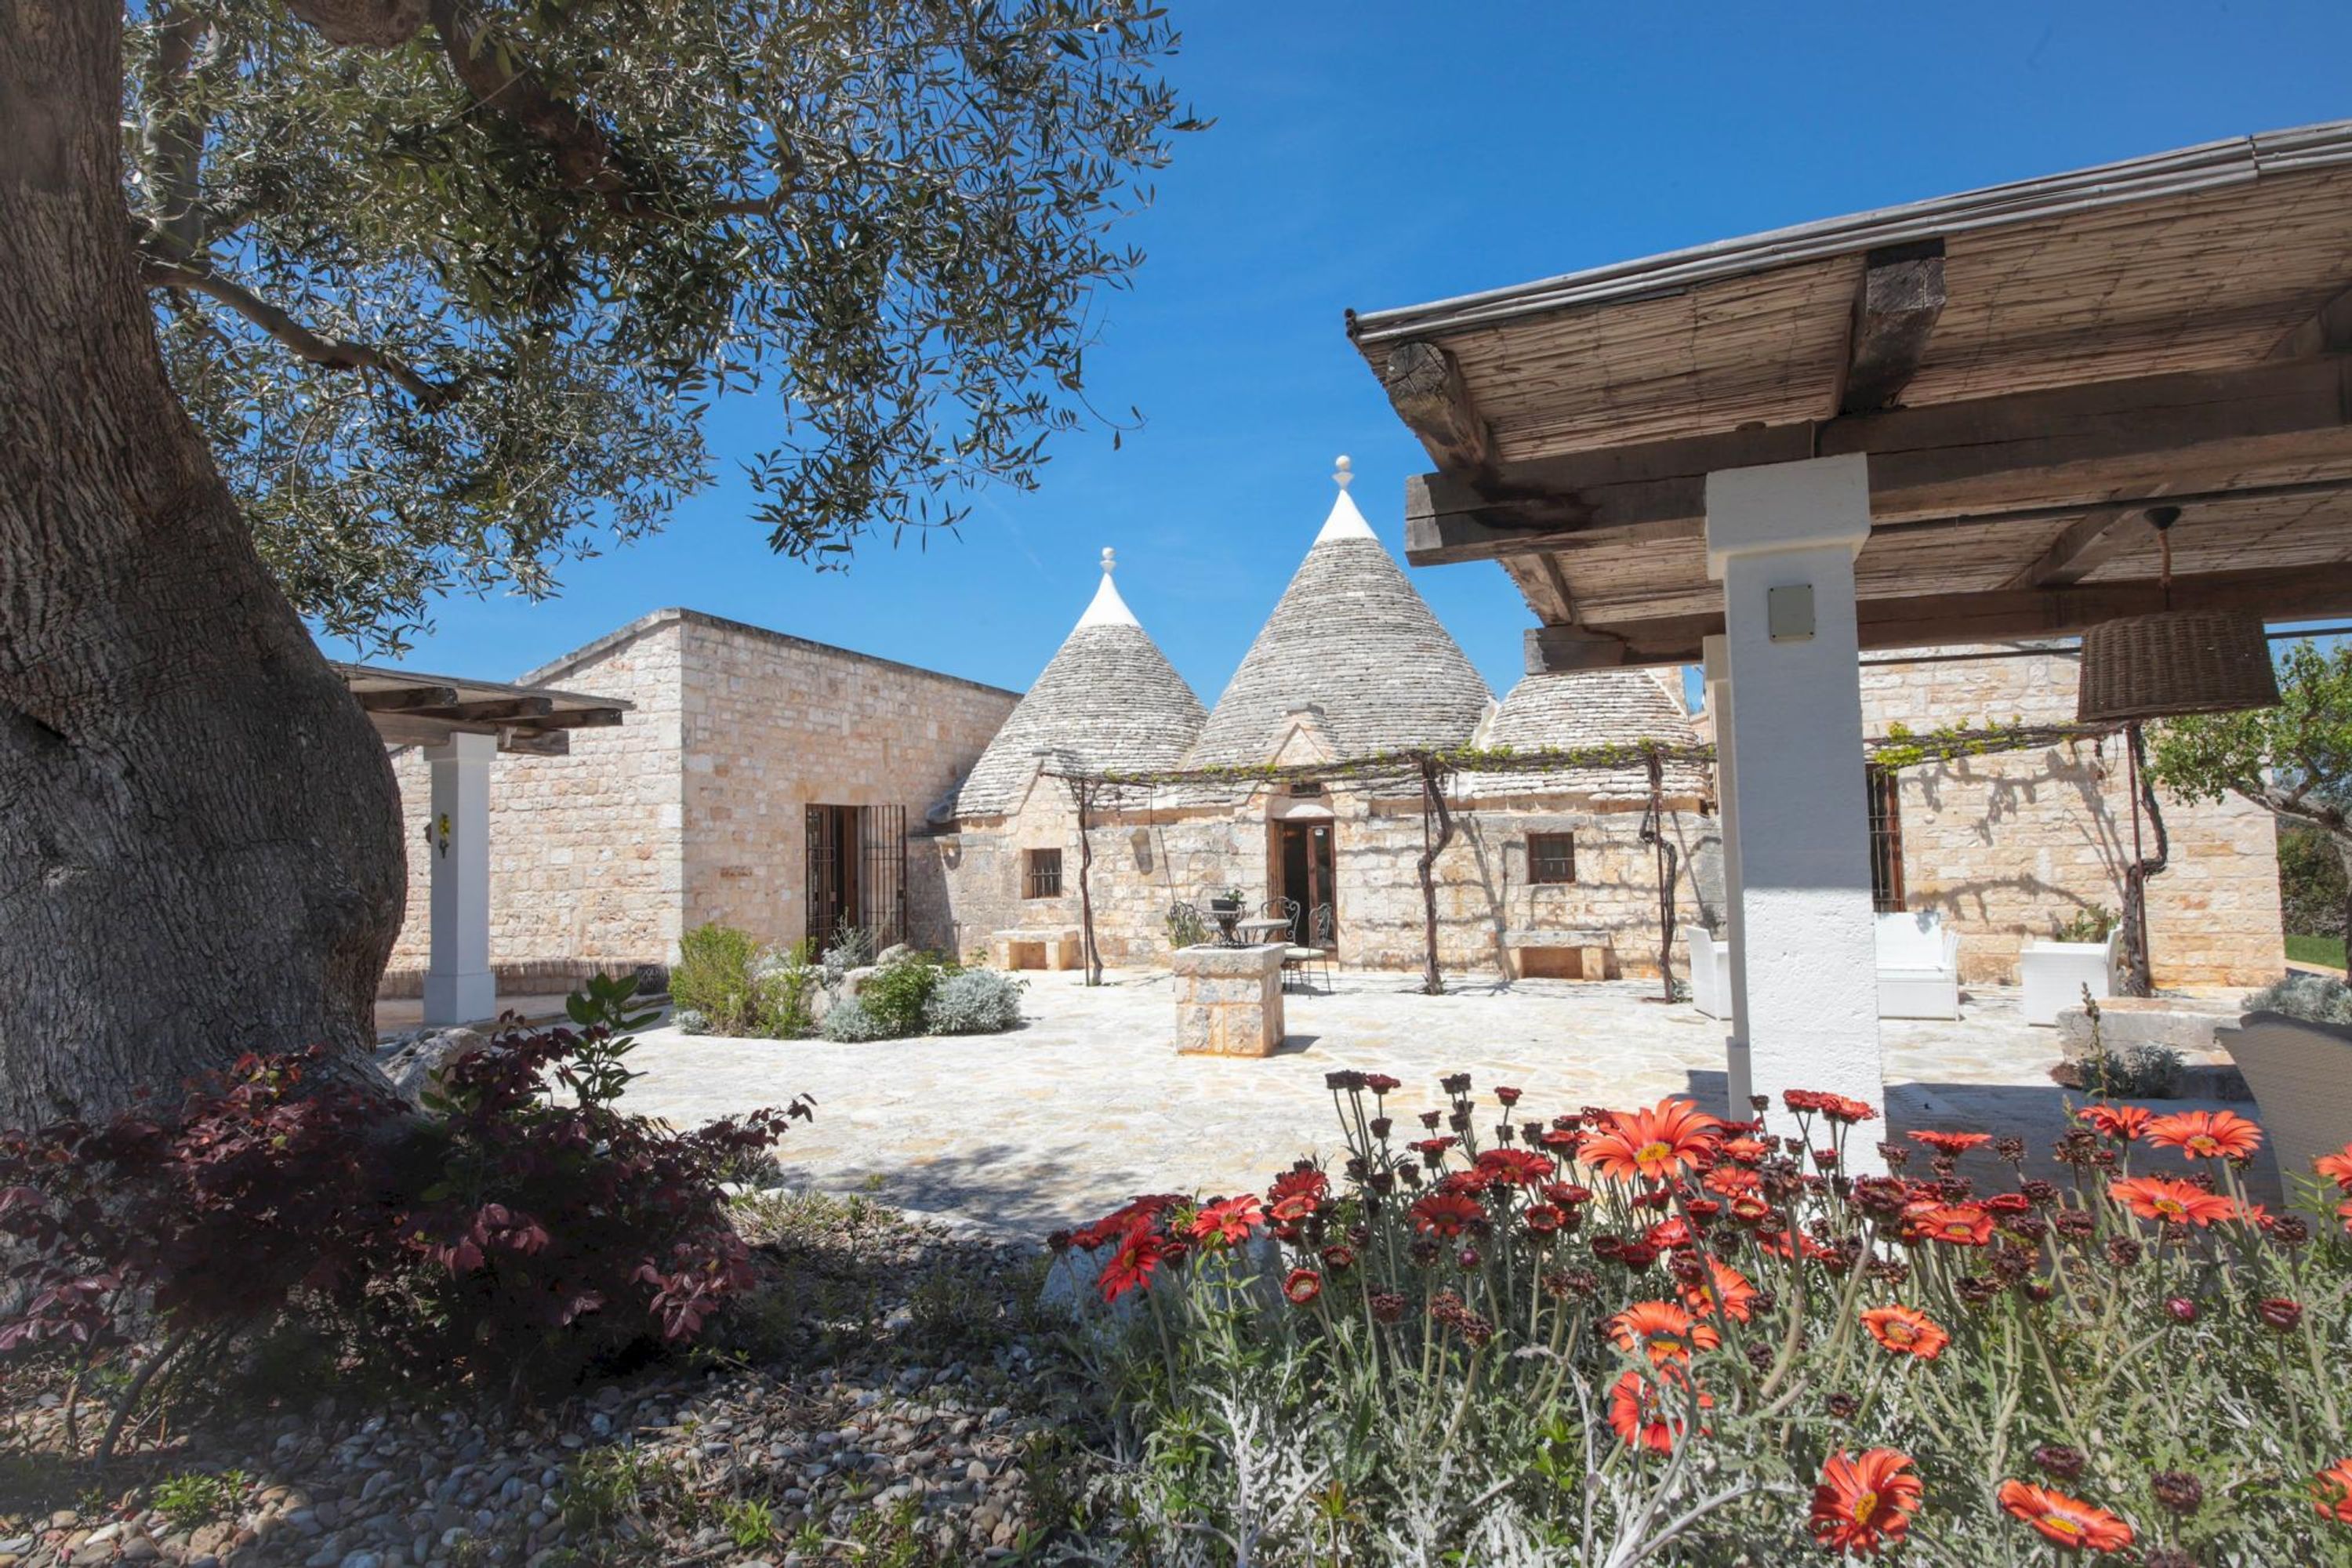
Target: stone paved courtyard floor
[1086, 1103]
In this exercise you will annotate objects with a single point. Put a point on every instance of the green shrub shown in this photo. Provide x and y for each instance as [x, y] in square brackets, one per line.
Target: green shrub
[2311, 883]
[713, 977]
[691, 1021]
[895, 993]
[973, 1002]
[784, 981]
[849, 1023]
[194, 1498]
[2092, 923]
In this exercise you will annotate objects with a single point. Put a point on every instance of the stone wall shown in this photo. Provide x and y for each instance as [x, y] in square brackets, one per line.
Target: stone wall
[692, 810]
[2008, 846]
[1144, 861]
[585, 859]
[773, 724]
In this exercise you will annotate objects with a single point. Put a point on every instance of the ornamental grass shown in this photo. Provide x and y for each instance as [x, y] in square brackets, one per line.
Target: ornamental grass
[1615, 1337]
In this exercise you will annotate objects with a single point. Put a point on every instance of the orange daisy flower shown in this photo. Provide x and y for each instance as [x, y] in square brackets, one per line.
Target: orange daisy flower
[2333, 1485]
[1955, 1225]
[2343, 1213]
[1666, 1331]
[2206, 1134]
[2336, 1167]
[2070, 1523]
[1639, 1418]
[1952, 1142]
[2162, 1198]
[1731, 1292]
[1864, 1504]
[1670, 1136]
[2121, 1122]
[1906, 1331]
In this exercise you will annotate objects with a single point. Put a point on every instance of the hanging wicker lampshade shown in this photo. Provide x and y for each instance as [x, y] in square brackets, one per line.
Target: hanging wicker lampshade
[2174, 661]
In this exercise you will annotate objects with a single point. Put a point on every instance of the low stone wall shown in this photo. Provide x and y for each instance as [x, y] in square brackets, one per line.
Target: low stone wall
[1228, 999]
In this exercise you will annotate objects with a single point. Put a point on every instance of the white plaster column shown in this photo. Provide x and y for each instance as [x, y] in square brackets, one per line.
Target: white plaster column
[458, 987]
[1782, 538]
[1718, 674]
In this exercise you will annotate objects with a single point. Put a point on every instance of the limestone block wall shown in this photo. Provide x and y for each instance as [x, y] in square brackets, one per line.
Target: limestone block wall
[2008, 846]
[1144, 861]
[586, 861]
[772, 724]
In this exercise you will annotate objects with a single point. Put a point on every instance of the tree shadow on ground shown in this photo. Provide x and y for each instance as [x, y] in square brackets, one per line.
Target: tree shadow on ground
[1006, 1188]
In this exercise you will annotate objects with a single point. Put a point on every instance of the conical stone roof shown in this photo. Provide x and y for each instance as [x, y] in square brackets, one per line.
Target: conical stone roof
[1351, 638]
[1573, 709]
[1107, 701]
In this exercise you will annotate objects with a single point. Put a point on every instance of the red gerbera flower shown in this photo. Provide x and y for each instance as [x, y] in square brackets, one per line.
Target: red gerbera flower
[1661, 1329]
[1130, 1267]
[1228, 1221]
[2333, 1485]
[1838, 1107]
[1864, 1504]
[1952, 1142]
[2070, 1523]
[1670, 1136]
[1731, 1292]
[1567, 1194]
[2206, 1134]
[1303, 1285]
[2336, 1167]
[1637, 1414]
[2121, 1122]
[1955, 1225]
[1745, 1150]
[1381, 1083]
[1297, 1194]
[1520, 1167]
[1543, 1219]
[1906, 1331]
[1446, 1214]
[2162, 1198]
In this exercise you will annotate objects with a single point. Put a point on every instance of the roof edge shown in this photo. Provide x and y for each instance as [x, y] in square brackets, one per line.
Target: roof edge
[2152, 177]
[660, 617]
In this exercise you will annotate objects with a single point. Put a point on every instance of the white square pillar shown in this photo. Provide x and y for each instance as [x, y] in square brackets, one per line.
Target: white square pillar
[1781, 540]
[1717, 673]
[458, 987]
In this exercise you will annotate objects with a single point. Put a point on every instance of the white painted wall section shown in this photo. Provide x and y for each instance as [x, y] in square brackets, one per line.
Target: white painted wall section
[458, 986]
[1805, 966]
[1717, 672]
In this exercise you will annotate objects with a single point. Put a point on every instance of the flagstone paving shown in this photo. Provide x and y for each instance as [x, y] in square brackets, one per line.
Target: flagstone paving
[1087, 1104]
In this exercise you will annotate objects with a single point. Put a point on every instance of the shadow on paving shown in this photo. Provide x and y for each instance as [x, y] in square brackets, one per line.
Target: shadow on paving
[1006, 1188]
[2039, 1113]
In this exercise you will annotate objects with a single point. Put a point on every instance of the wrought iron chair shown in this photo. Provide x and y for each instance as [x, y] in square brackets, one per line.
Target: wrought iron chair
[1317, 950]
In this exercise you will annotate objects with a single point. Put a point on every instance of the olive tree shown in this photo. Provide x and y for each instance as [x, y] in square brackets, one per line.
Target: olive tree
[2294, 761]
[324, 308]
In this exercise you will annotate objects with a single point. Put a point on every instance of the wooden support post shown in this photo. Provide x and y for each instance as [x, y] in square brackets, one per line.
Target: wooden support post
[1894, 312]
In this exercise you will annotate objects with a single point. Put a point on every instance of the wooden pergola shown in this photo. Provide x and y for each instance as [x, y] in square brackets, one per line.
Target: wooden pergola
[462, 725]
[2028, 369]
[1958, 421]
[409, 709]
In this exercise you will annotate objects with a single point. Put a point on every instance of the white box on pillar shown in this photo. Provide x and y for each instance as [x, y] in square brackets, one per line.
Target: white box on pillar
[458, 986]
[1804, 961]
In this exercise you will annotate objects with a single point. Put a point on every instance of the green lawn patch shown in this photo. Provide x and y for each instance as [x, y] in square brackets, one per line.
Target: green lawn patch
[2327, 950]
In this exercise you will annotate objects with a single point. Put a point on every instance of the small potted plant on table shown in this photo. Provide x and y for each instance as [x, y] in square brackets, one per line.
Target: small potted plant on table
[2079, 956]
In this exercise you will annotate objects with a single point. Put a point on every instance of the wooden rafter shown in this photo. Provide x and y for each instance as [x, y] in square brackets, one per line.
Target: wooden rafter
[1425, 385]
[2328, 331]
[2086, 444]
[405, 698]
[2083, 546]
[1894, 312]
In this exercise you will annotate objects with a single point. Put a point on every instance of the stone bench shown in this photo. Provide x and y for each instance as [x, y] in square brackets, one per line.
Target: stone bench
[1542, 953]
[1037, 947]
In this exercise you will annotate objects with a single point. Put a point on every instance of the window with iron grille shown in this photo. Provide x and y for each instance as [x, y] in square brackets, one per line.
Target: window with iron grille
[1044, 878]
[1551, 857]
[1885, 791]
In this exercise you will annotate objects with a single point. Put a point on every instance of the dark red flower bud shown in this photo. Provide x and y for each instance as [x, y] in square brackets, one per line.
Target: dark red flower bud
[1843, 1407]
[2177, 1490]
[1387, 1307]
[2058, 1459]
[2181, 1309]
[1468, 1260]
[1509, 1096]
[2280, 1313]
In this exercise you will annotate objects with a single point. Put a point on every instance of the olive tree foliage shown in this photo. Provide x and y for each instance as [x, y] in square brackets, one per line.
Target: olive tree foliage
[2294, 761]
[450, 285]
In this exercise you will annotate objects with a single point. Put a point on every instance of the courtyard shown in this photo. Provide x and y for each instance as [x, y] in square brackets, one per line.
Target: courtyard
[1087, 1104]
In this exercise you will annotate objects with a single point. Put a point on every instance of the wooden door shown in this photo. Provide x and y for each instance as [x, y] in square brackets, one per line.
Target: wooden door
[833, 867]
[1302, 872]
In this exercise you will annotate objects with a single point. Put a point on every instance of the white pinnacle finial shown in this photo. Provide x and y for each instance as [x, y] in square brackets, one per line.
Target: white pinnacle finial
[1345, 521]
[1110, 564]
[1107, 609]
[1343, 474]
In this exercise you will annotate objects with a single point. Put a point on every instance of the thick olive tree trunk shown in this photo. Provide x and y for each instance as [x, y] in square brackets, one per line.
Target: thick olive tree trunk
[199, 843]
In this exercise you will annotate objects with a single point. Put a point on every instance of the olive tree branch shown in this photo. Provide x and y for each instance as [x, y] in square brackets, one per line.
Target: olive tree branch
[328, 353]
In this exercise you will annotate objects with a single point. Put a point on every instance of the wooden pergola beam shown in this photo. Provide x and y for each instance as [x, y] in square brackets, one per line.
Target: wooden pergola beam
[405, 699]
[2083, 546]
[1895, 312]
[2085, 445]
[2328, 331]
[1425, 387]
[1932, 620]
[495, 711]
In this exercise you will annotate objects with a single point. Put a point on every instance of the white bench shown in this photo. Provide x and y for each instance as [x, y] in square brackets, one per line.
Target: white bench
[1918, 966]
[1710, 972]
[1036, 947]
[2056, 973]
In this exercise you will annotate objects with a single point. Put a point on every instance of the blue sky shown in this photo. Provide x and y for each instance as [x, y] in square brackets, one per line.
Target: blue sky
[1383, 154]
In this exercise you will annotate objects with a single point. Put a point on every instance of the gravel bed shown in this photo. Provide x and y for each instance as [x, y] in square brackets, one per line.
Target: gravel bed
[897, 1401]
